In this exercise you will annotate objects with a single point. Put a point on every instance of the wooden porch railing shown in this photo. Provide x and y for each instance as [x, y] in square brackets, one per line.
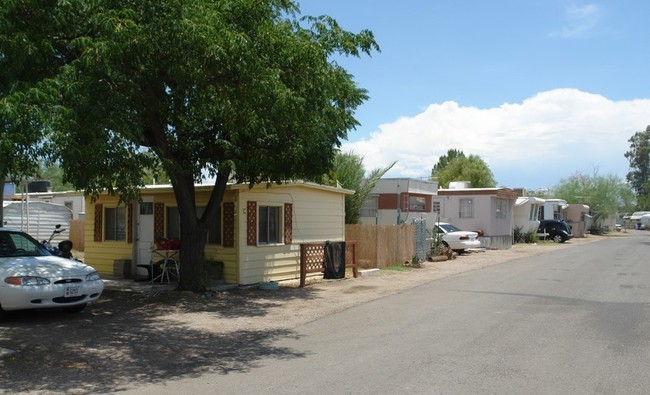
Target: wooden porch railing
[312, 259]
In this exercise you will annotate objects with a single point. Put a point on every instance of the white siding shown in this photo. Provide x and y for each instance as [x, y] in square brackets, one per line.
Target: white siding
[318, 216]
[497, 232]
[522, 213]
[38, 219]
[403, 185]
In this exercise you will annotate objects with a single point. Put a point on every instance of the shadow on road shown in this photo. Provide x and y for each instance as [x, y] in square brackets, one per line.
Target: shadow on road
[122, 340]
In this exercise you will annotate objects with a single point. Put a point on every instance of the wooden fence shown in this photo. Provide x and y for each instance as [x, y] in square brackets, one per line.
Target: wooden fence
[312, 258]
[76, 235]
[379, 246]
[375, 246]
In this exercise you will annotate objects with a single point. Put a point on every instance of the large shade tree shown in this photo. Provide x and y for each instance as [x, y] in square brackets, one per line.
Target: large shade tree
[54, 174]
[639, 174]
[444, 160]
[605, 195]
[20, 147]
[456, 166]
[24, 64]
[237, 89]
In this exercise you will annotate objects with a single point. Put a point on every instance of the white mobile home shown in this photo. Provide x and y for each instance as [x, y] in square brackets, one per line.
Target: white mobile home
[395, 201]
[526, 213]
[488, 211]
[634, 220]
[577, 216]
[553, 209]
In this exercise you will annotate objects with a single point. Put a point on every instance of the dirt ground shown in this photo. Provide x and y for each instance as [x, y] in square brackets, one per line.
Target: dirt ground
[145, 335]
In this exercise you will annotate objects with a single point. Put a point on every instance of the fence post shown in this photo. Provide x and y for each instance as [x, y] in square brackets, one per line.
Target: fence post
[351, 256]
[303, 264]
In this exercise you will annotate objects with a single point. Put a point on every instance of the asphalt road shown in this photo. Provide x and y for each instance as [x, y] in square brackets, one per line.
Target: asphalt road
[573, 321]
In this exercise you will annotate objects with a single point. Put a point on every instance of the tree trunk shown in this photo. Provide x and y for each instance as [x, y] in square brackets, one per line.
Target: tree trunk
[194, 230]
[193, 272]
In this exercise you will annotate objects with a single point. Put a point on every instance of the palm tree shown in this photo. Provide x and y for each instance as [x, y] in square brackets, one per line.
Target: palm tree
[349, 173]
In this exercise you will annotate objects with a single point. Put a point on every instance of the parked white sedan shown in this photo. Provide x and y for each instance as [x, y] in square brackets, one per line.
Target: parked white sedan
[32, 278]
[456, 239]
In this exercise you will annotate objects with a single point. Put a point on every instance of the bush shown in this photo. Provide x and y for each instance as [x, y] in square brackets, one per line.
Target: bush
[437, 246]
[531, 237]
[596, 230]
[519, 236]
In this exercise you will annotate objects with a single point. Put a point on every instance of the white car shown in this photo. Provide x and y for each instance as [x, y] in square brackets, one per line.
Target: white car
[32, 278]
[456, 239]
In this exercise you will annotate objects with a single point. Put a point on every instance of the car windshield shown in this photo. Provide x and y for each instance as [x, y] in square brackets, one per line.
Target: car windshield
[16, 244]
[447, 228]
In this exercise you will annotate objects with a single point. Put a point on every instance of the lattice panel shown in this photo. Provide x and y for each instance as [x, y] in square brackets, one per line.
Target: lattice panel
[251, 223]
[228, 224]
[99, 224]
[288, 223]
[158, 221]
[313, 255]
[129, 223]
[312, 259]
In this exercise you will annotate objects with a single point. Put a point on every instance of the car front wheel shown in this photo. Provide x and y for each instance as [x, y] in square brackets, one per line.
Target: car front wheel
[558, 239]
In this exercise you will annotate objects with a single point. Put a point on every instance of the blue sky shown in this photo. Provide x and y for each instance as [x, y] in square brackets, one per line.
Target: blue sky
[539, 89]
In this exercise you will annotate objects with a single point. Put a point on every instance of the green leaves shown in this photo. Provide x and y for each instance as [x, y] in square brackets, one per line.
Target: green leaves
[196, 82]
[192, 85]
[639, 174]
[348, 172]
[605, 195]
[455, 166]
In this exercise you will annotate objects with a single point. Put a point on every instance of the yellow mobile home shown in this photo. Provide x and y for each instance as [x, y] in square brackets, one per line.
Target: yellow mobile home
[256, 238]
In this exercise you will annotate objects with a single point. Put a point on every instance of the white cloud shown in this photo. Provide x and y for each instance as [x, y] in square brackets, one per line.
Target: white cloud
[543, 139]
[581, 21]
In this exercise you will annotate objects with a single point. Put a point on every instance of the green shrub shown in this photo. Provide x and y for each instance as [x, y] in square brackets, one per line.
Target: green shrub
[437, 246]
[519, 236]
[531, 237]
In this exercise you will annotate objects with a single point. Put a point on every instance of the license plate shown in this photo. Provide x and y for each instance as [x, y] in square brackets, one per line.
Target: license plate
[71, 292]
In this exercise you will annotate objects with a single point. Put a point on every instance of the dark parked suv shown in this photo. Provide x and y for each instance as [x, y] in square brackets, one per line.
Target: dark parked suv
[558, 231]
